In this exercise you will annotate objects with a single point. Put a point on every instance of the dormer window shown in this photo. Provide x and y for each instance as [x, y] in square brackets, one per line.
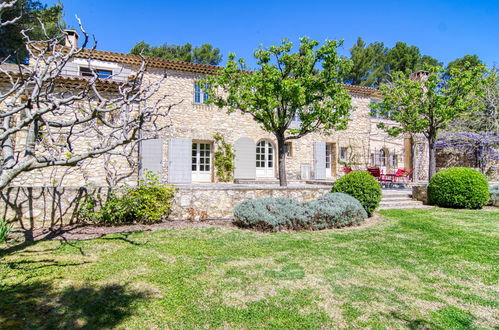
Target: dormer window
[200, 96]
[101, 73]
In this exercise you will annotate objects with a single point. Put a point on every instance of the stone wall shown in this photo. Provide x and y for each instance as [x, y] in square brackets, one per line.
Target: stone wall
[218, 202]
[32, 208]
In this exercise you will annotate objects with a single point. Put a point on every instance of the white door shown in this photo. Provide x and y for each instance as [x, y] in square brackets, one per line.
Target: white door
[329, 163]
[201, 162]
[264, 160]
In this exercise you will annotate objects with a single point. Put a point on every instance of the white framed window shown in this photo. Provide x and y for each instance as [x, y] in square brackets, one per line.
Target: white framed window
[343, 153]
[200, 96]
[101, 73]
[395, 161]
[381, 161]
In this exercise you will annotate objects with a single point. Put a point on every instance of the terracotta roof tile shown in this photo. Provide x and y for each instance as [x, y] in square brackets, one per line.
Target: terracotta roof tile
[185, 66]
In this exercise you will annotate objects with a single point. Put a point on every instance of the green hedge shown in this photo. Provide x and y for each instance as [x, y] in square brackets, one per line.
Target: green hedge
[362, 186]
[275, 214]
[459, 187]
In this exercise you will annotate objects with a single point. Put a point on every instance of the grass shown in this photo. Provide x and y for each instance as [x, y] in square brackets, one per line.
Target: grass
[433, 268]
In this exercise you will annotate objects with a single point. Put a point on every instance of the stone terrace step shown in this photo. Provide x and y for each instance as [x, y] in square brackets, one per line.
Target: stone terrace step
[421, 206]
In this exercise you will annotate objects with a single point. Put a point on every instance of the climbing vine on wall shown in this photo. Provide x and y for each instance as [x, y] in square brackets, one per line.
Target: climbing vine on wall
[224, 159]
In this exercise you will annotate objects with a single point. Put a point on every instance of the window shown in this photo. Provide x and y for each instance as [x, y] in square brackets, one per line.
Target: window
[289, 149]
[200, 96]
[381, 158]
[328, 155]
[343, 153]
[201, 162]
[101, 73]
[394, 161]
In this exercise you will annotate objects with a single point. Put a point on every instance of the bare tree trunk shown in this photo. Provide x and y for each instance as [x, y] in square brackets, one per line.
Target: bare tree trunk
[281, 149]
[432, 168]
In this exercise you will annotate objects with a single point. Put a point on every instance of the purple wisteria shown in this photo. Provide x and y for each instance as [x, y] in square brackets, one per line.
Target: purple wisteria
[483, 146]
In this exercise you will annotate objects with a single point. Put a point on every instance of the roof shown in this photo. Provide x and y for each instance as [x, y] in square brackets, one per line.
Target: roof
[62, 81]
[185, 66]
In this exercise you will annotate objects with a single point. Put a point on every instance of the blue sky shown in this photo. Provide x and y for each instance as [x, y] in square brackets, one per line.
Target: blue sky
[443, 29]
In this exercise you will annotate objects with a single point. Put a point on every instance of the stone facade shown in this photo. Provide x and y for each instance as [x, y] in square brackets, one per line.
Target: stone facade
[359, 145]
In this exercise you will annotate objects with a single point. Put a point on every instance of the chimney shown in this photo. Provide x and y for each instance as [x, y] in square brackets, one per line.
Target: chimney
[71, 38]
[419, 75]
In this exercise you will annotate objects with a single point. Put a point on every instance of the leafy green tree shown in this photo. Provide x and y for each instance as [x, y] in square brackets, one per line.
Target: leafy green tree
[204, 54]
[402, 57]
[368, 64]
[486, 119]
[427, 105]
[30, 14]
[464, 62]
[374, 64]
[285, 87]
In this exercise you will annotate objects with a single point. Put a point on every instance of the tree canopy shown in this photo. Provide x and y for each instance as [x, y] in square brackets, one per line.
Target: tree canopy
[286, 87]
[204, 54]
[30, 13]
[373, 64]
[428, 104]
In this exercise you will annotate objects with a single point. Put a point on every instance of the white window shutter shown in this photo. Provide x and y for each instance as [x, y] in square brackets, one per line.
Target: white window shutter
[151, 156]
[179, 161]
[320, 160]
[245, 159]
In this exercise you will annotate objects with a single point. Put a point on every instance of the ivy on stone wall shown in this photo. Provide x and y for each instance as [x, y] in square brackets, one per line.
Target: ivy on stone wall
[224, 159]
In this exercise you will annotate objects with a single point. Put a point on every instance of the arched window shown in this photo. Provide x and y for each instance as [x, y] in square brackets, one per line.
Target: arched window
[381, 157]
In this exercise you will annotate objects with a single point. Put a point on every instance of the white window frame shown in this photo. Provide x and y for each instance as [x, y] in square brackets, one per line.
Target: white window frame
[200, 96]
[88, 72]
[202, 164]
[265, 157]
[343, 153]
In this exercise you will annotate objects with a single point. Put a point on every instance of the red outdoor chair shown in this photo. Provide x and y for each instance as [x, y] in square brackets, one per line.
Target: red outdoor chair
[403, 175]
[375, 171]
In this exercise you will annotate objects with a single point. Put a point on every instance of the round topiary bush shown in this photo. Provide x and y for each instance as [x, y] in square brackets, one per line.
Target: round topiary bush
[362, 186]
[275, 214]
[459, 187]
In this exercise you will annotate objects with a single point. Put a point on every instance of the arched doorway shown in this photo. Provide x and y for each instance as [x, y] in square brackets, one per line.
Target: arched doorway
[265, 159]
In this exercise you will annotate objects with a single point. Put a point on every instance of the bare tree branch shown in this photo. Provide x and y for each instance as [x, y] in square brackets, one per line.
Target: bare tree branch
[47, 119]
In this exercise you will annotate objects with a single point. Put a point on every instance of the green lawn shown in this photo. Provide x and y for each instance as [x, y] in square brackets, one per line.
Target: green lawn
[433, 268]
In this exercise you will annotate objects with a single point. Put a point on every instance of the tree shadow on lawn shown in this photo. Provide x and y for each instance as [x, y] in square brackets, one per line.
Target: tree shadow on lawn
[39, 305]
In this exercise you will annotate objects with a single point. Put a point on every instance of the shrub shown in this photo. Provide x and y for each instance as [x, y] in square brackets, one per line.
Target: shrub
[269, 214]
[148, 202]
[362, 186]
[459, 187]
[275, 214]
[4, 230]
[334, 210]
[494, 195]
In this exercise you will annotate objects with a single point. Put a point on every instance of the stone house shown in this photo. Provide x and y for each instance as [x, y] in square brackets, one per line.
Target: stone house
[183, 153]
